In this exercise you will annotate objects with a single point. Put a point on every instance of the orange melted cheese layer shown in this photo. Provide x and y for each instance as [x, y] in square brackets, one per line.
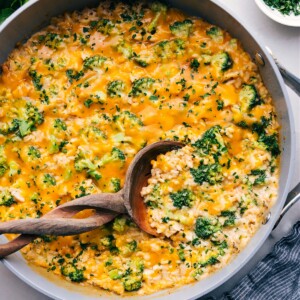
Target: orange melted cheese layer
[81, 97]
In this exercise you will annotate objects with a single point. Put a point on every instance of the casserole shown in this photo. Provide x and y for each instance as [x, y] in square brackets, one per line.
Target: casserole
[274, 87]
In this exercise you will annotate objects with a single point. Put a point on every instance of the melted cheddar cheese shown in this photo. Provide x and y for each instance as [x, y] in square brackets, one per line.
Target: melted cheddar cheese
[81, 97]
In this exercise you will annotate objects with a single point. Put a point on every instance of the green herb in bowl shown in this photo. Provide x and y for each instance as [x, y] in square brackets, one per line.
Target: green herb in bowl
[286, 7]
[7, 7]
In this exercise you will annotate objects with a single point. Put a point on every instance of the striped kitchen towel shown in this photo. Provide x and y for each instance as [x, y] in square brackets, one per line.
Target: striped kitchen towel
[276, 277]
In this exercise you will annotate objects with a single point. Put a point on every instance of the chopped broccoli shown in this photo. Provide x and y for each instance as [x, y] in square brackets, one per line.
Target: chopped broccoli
[6, 198]
[132, 283]
[194, 64]
[182, 29]
[141, 86]
[249, 98]
[260, 176]
[49, 179]
[105, 26]
[182, 198]
[125, 49]
[181, 254]
[82, 163]
[115, 155]
[116, 184]
[127, 119]
[3, 161]
[119, 224]
[206, 227]
[210, 173]
[211, 140]
[230, 217]
[110, 243]
[114, 88]
[222, 61]
[115, 274]
[215, 33]
[170, 49]
[270, 142]
[14, 168]
[51, 40]
[71, 271]
[74, 75]
[159, 9]
[209, 262]
[36, 79]
[60, 124]
[92, 62]
[132, 245]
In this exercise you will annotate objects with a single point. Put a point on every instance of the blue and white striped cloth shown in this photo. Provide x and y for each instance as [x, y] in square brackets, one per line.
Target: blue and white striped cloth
[276, 277]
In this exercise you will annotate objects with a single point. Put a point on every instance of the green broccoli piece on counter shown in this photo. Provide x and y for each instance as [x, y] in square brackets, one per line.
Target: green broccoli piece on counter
[249, 98]
[215, 33]
[82, 163]
[141, 86]
[182, 198]
[119, 224]
[159, 9]
[71, 271]
[210, 173]
[93, 62]
[182, 29]
[206, 227]
[211, 141]
[222, 61]
[114, 88]
[6, 198]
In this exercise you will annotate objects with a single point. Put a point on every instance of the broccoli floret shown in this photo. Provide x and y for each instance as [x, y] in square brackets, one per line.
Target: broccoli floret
[182, 198]
[260, 176]
[104, 26]
[132, 283]
[115, 155]
[159, 9]
[114, 88]
[210, 173]
[194, 65]
[181, 254]
[230, 215]
[115, 274]
[119, 224]
[74, 75]
[82, 163]
[249, 98]
[170, 49]
[6, 198]
[141, 86]
[51, 40]
[71, 271]
[182, 29]
[115, 184]
[215, 33]
[206, 227]
[34, 152]
[211, 261]
[49, 179]
[36, 79]
[60, 124]
[210, 141]
[270, 142]
[92, 62]
[132, 246]
[127, 119]
[222, 61]
[110, 243]
[3, 161]
[14, 168]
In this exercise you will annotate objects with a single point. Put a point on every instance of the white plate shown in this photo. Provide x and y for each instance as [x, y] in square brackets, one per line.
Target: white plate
[289, 20]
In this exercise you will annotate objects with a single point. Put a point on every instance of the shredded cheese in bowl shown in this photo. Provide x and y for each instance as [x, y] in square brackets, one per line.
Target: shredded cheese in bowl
[81, 97]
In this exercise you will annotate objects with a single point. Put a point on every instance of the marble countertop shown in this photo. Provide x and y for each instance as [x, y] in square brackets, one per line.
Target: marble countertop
[285, 44]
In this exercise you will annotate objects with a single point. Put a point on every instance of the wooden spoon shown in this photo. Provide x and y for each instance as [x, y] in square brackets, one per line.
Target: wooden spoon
[60, 221]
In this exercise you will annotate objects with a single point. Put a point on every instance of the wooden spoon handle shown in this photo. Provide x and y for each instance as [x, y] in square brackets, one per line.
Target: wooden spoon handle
[58, 226]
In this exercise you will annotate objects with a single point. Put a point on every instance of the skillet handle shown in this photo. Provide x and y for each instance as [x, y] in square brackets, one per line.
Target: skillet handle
[290, 79]
[293, 198]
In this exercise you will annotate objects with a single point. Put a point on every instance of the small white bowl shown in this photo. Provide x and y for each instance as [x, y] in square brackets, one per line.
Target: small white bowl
[289, 20]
